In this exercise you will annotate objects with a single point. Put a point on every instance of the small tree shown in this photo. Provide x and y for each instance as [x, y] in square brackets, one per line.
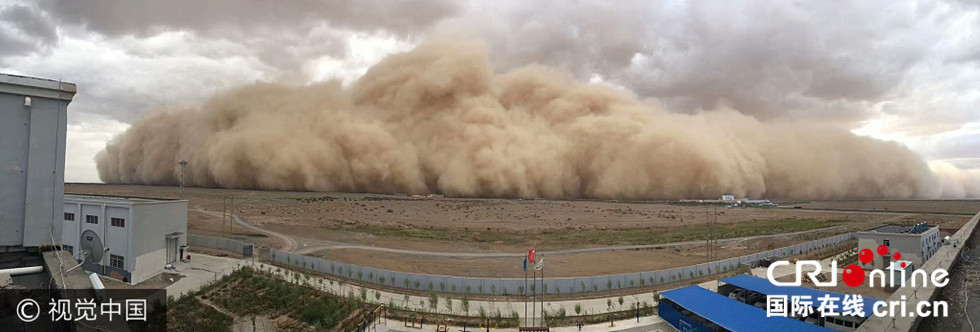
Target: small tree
[382, 279]
[581, 285]
[449, 305]
[493, 289]
[377, 296]
[609, 304]
[442, 286]
[620, 302]
[433, 300]
[465, 302]
[578, 309]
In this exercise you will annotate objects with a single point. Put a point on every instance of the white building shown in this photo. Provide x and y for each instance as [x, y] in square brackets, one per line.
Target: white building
[126, 238]
[33, 122]
[914, 243]
[728, 197]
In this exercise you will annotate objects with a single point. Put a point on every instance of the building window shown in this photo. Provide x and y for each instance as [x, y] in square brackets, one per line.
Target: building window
[116, 261]
[886, 243]
[68, 248]
[118, 222]
[91, 219]
[69, 216]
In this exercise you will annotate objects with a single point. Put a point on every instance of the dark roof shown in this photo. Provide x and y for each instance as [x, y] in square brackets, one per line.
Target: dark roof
[731, 314]
[765, 287]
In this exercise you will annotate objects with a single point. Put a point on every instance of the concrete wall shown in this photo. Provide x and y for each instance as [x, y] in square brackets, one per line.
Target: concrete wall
[245, 249]
[116, 239]
[513, 286]
[32, 159]
[154, 221]
[148, 265]
[70, 230]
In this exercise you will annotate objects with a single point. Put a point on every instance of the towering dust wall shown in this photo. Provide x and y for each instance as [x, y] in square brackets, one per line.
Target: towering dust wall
[438, 120]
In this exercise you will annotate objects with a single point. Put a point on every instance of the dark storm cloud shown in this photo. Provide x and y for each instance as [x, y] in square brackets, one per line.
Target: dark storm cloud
[823, 61]
[150, 17]
[282, 34]
[24, 30]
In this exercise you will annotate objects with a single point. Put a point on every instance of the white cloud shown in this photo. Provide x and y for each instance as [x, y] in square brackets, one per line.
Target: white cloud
[364, 50]
[87, 135]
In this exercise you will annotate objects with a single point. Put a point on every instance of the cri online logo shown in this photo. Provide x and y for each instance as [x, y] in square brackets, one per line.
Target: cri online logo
[854, 275]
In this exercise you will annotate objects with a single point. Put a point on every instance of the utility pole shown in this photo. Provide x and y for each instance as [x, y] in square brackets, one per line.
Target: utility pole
[183, 165]
[707, 235]
[224, 212]
[715, 250]
[231, 220]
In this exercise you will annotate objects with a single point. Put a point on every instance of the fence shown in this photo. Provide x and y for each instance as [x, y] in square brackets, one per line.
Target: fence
[560, 285]
[238, 247]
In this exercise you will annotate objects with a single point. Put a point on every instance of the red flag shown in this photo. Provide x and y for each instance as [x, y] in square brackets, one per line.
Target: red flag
[530, 255]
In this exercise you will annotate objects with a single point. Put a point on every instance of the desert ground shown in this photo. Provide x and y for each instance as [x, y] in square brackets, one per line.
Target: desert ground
[487, 237]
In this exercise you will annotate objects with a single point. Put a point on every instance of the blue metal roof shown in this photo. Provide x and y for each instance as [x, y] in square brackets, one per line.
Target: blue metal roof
[731, 314]
[763, 286]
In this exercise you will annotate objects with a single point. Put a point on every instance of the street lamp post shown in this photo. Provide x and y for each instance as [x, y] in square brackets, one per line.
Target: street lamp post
[183, 165]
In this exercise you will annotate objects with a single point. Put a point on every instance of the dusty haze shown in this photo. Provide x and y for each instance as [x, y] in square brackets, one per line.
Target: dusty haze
[439, 120]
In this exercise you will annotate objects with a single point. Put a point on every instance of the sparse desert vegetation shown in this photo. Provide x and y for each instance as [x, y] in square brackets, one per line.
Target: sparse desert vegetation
[325, 223]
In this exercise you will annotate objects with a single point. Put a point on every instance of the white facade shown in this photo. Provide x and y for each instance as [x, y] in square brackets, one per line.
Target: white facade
[139, 236]
[914, 245]
[728, 197]
[33, 123]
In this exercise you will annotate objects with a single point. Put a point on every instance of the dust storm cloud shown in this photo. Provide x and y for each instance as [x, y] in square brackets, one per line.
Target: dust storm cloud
[437, 119]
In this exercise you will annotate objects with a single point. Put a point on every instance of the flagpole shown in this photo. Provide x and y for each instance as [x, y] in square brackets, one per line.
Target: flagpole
[534, 313]
[542, 293]
[525, 289]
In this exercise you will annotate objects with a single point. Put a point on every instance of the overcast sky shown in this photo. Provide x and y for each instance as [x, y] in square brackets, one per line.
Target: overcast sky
[899, 70]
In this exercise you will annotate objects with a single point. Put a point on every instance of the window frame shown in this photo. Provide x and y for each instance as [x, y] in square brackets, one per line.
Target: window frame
[122, 222]
[93, 217]
[113, 259]
[69, 216]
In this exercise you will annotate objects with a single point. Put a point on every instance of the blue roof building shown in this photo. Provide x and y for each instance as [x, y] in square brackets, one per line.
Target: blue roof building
[695, 308]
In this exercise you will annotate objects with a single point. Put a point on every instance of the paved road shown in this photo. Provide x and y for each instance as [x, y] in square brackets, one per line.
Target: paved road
[292, 243]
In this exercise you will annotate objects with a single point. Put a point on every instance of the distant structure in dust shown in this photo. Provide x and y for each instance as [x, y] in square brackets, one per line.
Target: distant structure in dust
[729, 200]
